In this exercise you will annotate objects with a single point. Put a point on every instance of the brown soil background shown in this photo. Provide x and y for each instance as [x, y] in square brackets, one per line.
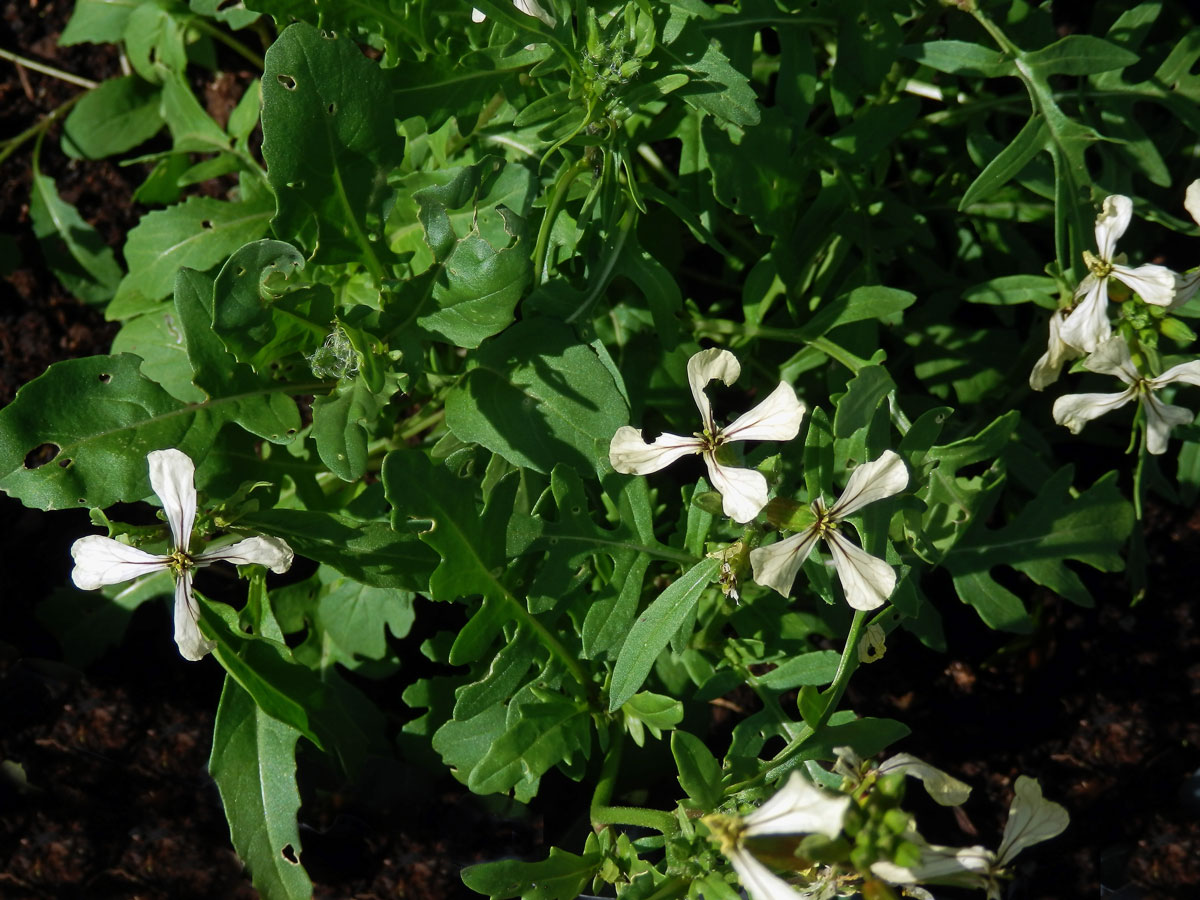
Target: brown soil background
[115, 802]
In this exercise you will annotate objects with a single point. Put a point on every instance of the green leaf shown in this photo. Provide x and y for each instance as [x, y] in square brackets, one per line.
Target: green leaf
[1008, 163]
[1079, 54]
[1051, 529]
[329, 137]
[340, 422]
[368, 552]
[356, 617]
[241, 314]
[699, 771]
[653, 629]
[97, 22]
[656, 712]
[198, 233]
[74, 251]
[538, 397]
[87, 623]
[544, 733]
[471, 554]
[716, 87]
[101, 417]
[816, 668]
[562, 876]
[869, 302]
[961, 58]
[500, 681]
[1008, 290]
[863, 394]
[253, 762]
[114, 117]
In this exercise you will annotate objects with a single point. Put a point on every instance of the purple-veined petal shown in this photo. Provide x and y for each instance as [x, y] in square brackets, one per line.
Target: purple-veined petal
[172, 475]
[1087, 325]
[629, 453]
[1076, 410]
[776, 418]
[759, 881]
[262, 550]
[743, 491]
[799, 807]
[875, 480]
[1188, 373]
[866, 580]
[1112, 358]
[100, 560]
[1111, 224]
[702, 368]
[1154, 284]
[192, 644]
[777, 565]
[1160, 419]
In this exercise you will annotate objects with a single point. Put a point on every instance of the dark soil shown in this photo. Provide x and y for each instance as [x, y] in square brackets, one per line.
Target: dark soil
[104, 791]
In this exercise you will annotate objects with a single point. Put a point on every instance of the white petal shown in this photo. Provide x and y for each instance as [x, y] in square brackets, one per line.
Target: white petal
[192, 644]
[777, 418]
[1046, 369]
[945, 790]
[866, 580]
[1076, 410]
[478, 15]
[100, 560]
[629, 453]
[1031, 819]
[1154, 284]
[1088, 325]
[743, 491]
[1111, 224]
[875, 480]
[1160, 419]
[1191, 200]
[1112, 358]
[964, 866]
[271, 552]
[533, 8]
[759, 881]
[1188, 373]
[702, 368]
[799, 807]
[1186, 286]
[172, 475]
[777, 565]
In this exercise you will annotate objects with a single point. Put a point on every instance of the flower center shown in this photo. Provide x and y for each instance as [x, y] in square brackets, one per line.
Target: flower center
[1099, 267]
[709, 441]
[825, 524]
[178, 562]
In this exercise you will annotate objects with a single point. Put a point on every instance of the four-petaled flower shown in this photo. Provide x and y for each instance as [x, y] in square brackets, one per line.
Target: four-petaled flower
[1087, 324]
[743, 491]
[798, 808]
[867, 581]
[1112, 358]
[101, 560]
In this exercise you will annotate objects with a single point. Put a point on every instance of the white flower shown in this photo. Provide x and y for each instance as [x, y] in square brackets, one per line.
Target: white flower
[1031, 819]
[800, 807]
[1112, 358]
[1188, 283]
[946, 790]
[529, 7]
[100, 560]
[867, 581]
[1046, 369]
[1087, 324]
[743, 491]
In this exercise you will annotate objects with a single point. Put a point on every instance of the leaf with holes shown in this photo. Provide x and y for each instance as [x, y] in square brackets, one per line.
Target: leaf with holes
[329, 139]
[99, 417]
[198, 233]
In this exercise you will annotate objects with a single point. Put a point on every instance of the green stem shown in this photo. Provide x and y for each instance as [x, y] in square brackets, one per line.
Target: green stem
[600, 281]
[556, 201]
[413, 428]
[229, 41]
[10, 146]
[47, 70]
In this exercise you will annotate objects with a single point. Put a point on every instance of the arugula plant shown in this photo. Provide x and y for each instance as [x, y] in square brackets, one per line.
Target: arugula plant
[443, 332]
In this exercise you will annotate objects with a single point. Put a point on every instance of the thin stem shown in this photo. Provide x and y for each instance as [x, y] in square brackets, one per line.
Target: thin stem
[556, 202]
[416, 427]
[660, 821]
[229, 41]
[600, 282]
[48, 70]
[10, 146]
